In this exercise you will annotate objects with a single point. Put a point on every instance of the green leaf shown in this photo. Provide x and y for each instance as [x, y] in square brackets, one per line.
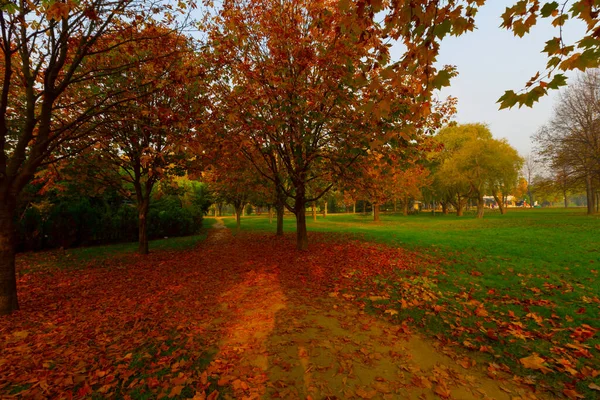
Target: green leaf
[441, 30]
[10, 7]
[587, 42]
[508, 100]
[548, 9]
[557, 81]
[552, 46]
[442, 79]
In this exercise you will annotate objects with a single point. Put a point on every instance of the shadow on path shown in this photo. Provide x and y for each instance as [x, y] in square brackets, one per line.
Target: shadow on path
[291, 338]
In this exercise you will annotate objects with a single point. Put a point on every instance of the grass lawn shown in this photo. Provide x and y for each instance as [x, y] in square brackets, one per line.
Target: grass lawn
[512, 286]
[91, 256]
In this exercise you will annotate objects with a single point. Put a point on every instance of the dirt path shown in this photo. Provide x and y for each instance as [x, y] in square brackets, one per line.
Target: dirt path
[284, 340]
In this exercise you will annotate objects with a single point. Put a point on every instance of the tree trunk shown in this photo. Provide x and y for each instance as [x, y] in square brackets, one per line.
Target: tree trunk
[301, 233]
[314, 211]
[324, 209]
[566, 199]
[376, 212]
[8, 279]
[143, 226]
[480, 204]
[500, 201]
[220, 209]
[459, 209]
[354, 208]
[280, 210]
[365, 207]
[444, 208]
[395, 206]
[591, 196]
[270, 215]
[238, 218]
[405, 206]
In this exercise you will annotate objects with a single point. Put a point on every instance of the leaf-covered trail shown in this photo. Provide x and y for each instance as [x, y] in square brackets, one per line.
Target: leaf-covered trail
[290, 340]
[236, 317]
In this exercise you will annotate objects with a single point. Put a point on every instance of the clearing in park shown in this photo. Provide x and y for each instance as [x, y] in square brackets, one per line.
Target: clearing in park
[418, 307]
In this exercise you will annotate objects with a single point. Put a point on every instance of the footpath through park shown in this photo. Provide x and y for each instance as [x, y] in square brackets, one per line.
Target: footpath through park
[287, 338]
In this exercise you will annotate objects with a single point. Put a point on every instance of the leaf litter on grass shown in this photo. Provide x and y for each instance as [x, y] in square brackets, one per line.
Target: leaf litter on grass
[245, 317]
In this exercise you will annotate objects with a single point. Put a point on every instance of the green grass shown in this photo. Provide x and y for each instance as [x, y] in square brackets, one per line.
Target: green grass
[533, 261]
[84, 256]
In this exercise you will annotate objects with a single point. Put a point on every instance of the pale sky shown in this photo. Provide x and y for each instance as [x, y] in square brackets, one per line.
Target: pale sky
[491, 60]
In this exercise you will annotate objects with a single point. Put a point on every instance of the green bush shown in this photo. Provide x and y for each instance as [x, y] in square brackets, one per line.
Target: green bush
[69, 219]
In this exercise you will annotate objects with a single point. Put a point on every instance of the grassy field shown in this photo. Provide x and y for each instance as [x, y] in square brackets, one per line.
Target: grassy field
[511, 286]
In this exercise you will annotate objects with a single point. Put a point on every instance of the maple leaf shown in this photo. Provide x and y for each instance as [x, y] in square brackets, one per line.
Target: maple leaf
[442, 391]
[535, 362]
[572, 394]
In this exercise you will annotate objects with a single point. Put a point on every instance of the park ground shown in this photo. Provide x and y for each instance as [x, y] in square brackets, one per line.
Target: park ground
[412, 307]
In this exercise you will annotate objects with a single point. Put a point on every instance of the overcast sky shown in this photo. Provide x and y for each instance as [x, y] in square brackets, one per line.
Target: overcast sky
[491, 60]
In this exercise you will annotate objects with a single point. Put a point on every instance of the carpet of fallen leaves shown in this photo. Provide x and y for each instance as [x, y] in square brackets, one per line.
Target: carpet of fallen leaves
[238, 317]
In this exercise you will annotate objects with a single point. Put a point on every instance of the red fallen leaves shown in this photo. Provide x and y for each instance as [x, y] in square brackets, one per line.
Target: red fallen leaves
[536, 362]
[145, 323]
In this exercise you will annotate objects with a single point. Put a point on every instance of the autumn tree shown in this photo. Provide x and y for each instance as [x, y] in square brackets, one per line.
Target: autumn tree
[570, 142]
[43, 47]
[530, 169]
[504, 164]
[234, 181]
[409, 183]
[311, 84]
[473, 163]
[144, 138]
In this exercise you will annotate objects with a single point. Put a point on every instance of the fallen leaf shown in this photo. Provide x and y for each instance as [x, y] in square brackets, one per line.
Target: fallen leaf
[535, 362]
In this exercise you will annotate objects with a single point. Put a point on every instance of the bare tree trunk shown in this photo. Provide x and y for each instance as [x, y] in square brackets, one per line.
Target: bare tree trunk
[500, 201]
[301, 233]
[405, 206]
[376, 212]
[444, 208]
[8, 280]
[354, 208]
[591, 197]
[324, 209]
[314, 211]
[480, 204]
[459, 206]
[143, 206]
[238, 219]
[280, 210]
[270, 214]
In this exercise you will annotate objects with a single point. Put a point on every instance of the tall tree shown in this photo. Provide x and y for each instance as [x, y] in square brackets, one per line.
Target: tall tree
[310, 84]
[571, 140]
[530, 171]
[43, 46]
[144, 138]
[473, 164]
